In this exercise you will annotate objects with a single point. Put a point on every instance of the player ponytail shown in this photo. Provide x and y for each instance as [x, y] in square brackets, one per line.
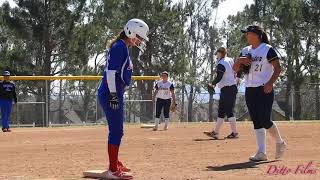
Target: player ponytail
[264, 38]
[121, 35]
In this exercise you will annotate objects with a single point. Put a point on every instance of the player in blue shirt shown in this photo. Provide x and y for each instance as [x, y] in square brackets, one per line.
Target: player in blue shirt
[7, 97]
[116, 77]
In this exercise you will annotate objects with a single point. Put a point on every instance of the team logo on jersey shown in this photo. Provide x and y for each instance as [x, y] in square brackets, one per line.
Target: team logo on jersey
[257, 58]
[163, 88]
[7, 87]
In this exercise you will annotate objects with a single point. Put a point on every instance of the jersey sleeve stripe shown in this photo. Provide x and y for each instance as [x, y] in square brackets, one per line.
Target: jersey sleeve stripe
[274, 58]
[111, 80]
[122, 68]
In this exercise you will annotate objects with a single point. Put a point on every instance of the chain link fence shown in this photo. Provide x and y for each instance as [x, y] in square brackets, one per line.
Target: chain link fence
[75, 103]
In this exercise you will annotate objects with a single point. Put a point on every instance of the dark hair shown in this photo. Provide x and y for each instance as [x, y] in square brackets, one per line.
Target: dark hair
[121, 35]
[259, 31]
[222, 50]
[166, 73]
[264, 37]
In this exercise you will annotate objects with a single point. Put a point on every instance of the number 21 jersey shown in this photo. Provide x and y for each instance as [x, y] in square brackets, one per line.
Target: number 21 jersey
[261, 68]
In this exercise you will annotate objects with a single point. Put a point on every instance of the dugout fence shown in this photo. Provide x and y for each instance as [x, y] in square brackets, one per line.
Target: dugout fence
[72, 101]
[45, 101]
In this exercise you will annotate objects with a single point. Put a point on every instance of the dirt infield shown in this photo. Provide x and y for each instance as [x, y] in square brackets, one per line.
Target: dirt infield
[181, 153]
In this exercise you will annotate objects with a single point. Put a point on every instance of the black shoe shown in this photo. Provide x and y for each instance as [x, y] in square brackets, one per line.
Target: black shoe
[4, 130]
[233, 136]
[8, 130]
[212, 134]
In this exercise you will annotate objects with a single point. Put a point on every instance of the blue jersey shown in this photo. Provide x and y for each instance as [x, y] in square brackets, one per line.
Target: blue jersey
[8, 91]
[118, 69]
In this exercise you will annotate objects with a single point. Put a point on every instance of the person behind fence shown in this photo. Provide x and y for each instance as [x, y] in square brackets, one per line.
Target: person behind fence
[227, 82]
[8, 96]
[261, 66]
[116, 77]
[164, 92]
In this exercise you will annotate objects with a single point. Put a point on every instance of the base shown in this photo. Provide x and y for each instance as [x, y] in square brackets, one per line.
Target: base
[95, 173]
[147, 125]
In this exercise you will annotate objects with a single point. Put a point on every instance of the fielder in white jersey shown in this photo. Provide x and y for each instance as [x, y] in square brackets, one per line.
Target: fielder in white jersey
[261, 66]
[226, 81]
[164, 92]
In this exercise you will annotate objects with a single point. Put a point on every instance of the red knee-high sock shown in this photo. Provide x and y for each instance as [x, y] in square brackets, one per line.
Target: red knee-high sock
[113, 157]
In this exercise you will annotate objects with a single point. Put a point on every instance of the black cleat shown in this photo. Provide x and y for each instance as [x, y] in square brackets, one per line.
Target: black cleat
[212, 134]
[233, 136]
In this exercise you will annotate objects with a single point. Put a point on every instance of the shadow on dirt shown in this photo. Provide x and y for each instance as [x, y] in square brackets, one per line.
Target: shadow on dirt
[243, 165]
[206, 139]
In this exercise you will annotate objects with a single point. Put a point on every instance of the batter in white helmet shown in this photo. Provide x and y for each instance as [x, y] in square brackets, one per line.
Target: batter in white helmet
[116, 76]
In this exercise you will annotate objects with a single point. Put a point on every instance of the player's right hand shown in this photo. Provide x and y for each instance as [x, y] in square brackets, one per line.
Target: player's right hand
[245, 61]
[114, 101]
[238, 81]
[210, 88]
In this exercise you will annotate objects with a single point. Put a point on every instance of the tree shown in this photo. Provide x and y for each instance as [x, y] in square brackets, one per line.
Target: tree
[214, 42]
[292, 30]
[45, 28]
[198, 53]
[165, 49]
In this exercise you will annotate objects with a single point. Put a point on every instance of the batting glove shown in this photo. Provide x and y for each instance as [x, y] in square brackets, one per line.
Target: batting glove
[114, 101]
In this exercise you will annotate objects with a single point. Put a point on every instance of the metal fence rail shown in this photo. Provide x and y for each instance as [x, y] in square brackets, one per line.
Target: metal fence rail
[74, 102]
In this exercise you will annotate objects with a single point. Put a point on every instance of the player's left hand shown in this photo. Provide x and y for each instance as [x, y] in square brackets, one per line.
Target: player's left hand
[268, 88]
[114, 101]
[173, 107]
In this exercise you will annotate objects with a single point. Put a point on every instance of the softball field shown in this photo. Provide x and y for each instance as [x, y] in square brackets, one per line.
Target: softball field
[181, 153]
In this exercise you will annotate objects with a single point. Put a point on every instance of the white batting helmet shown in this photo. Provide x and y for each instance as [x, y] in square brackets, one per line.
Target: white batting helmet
[136, 27]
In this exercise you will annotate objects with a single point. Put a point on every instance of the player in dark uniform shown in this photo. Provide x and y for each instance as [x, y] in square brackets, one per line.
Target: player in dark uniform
[261, 66]
[7, 97]
[227, 82]
[164, 93]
